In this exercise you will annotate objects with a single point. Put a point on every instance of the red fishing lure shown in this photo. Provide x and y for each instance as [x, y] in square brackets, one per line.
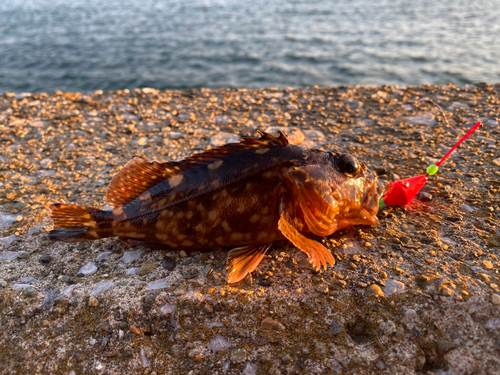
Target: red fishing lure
[401, 192]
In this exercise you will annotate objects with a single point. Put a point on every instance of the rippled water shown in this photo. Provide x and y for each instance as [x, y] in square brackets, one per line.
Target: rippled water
[84, 45]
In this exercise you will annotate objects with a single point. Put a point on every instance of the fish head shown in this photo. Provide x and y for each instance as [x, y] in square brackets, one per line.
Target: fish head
[356, 191]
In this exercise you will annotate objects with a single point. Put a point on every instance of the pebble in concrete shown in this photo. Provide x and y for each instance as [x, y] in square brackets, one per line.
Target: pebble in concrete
[374, 291]
[45, 259]
[157, 284]
[394, 287]
[88, 269]
[103, 256]
[132, 271]
[493, 324]
[167, 310]
[147, 268]
[250, 369]
[130, 256]
[101, 288]
[238, 355]
[495, 299]
[219, 343]
[271, 324]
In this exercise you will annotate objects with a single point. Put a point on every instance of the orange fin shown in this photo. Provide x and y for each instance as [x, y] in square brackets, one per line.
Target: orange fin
[318, 213]
[314, 199]
[266, 139]
[318, 254]
[70, 216]
[137, 177]
[227, 151]
[74, 223]
[243, 260]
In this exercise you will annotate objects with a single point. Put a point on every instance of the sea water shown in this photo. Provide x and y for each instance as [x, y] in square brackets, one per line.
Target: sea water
[86, 45]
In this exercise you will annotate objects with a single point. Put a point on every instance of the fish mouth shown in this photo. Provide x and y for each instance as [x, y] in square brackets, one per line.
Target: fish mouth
[370, 202]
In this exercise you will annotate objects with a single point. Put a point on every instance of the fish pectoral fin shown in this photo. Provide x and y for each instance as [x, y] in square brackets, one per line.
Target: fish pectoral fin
[318, 254]
[243, 260]
[312, 195]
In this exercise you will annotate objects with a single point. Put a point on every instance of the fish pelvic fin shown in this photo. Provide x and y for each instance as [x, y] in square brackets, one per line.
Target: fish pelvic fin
[73, 223]
[318, 254]
[243, 260]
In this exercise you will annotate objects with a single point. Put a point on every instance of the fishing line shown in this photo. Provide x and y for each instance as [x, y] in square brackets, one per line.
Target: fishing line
[442, 111]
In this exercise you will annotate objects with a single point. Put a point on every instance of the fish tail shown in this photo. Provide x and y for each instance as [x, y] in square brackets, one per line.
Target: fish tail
[74, 223]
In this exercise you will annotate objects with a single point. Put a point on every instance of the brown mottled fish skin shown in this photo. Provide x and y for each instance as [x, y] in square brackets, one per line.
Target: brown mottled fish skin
[248, 194]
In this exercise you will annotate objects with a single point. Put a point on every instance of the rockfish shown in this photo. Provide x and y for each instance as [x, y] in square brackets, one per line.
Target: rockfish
[244, 196]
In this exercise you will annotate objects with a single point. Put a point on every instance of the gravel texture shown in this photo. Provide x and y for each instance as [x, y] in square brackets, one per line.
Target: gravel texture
[418, 294]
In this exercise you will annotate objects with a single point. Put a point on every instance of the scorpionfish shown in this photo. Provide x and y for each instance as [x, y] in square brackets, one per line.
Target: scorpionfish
[244, 196]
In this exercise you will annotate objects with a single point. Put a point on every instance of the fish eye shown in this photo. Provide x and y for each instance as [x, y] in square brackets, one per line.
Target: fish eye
[347, 165]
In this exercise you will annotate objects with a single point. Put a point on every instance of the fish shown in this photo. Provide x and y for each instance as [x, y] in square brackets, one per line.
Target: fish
[242, 196]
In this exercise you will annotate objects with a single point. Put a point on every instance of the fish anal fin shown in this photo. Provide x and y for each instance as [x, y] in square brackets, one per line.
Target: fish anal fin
[243, 260]
[318, 254]
[137, 177]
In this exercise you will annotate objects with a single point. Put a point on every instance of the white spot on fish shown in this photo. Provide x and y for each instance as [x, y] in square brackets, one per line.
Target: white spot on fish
[215, 165]
[226, 226]
[175, 180]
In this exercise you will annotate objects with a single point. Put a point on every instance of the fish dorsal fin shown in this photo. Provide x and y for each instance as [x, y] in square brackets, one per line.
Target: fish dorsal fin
[137, 177]
[246, 144]
[266, 139]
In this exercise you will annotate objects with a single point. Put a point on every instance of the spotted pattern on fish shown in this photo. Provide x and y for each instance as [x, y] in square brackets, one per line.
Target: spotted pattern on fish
[246, 195]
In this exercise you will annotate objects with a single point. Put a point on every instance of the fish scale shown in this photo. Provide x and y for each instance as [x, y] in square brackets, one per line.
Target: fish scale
[244, 196]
